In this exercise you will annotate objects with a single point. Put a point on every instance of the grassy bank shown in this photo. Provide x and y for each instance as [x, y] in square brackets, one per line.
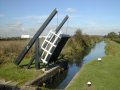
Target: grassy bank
[10, 72]
[9, 50]
[78, 44]
[104, 76]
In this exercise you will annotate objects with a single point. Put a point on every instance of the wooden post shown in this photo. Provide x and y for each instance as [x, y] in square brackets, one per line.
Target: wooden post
[37, 62]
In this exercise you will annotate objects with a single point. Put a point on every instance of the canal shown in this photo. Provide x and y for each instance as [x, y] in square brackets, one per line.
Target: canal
[63, 79]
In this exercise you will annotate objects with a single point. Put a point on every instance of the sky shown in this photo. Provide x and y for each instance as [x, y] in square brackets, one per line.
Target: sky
[96, 17]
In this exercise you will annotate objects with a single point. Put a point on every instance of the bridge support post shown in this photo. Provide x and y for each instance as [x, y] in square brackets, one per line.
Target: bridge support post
[37, 62]
[36, 56]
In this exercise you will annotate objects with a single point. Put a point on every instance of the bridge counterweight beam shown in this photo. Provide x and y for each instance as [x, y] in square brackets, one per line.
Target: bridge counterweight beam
[32, 41]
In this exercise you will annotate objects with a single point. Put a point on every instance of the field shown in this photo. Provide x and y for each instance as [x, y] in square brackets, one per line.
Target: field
[103, 76]
[9, 50]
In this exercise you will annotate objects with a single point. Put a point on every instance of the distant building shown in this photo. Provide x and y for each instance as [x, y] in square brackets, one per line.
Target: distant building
[28, 36]
[25, 36]
[42, 36]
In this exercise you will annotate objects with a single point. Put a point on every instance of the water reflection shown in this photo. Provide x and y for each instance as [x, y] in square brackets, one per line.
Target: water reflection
[96, 52]
[54, 81]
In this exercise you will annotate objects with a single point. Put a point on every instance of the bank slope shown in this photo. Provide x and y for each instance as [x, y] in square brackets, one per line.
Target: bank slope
[104, 76]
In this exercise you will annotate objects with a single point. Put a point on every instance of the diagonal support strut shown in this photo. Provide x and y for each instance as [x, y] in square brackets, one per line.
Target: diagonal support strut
[32, 41]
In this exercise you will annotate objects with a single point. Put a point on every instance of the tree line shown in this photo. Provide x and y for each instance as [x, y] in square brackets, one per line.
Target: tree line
[114, 36]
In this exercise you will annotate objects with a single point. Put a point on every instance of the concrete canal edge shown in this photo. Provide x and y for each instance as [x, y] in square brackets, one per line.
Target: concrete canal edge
[71, 81]
[8, 85]
[38, 81]
[47, 74]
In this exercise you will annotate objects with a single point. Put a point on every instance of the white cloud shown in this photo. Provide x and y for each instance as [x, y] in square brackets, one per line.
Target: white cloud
[34, 17]
[1, 15]
[17, 29]
[71, 10]
[15, 26]
[98, 29]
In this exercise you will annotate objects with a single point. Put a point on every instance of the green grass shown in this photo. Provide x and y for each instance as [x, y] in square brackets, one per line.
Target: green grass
[9, 50]
[9, 71]
[104, 76]
[78, 44]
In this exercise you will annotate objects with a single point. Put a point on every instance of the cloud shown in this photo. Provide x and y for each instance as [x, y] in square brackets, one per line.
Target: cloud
[71, 10]
[95, 28]
[72, 13]
[33, 17]
[15, 29]
[36, 17]
[15, 26]
[1, 15]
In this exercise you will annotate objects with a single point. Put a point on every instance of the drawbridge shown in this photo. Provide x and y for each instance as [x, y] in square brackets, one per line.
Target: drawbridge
[50, 48]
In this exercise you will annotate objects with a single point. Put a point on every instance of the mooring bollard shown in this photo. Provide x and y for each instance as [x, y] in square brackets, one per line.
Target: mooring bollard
[89, 83]
[99, 60]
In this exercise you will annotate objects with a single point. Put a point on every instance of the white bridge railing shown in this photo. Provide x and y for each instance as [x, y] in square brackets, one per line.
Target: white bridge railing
[49, 44]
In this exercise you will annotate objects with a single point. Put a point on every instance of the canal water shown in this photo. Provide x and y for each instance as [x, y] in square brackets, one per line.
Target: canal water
[96, 52]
